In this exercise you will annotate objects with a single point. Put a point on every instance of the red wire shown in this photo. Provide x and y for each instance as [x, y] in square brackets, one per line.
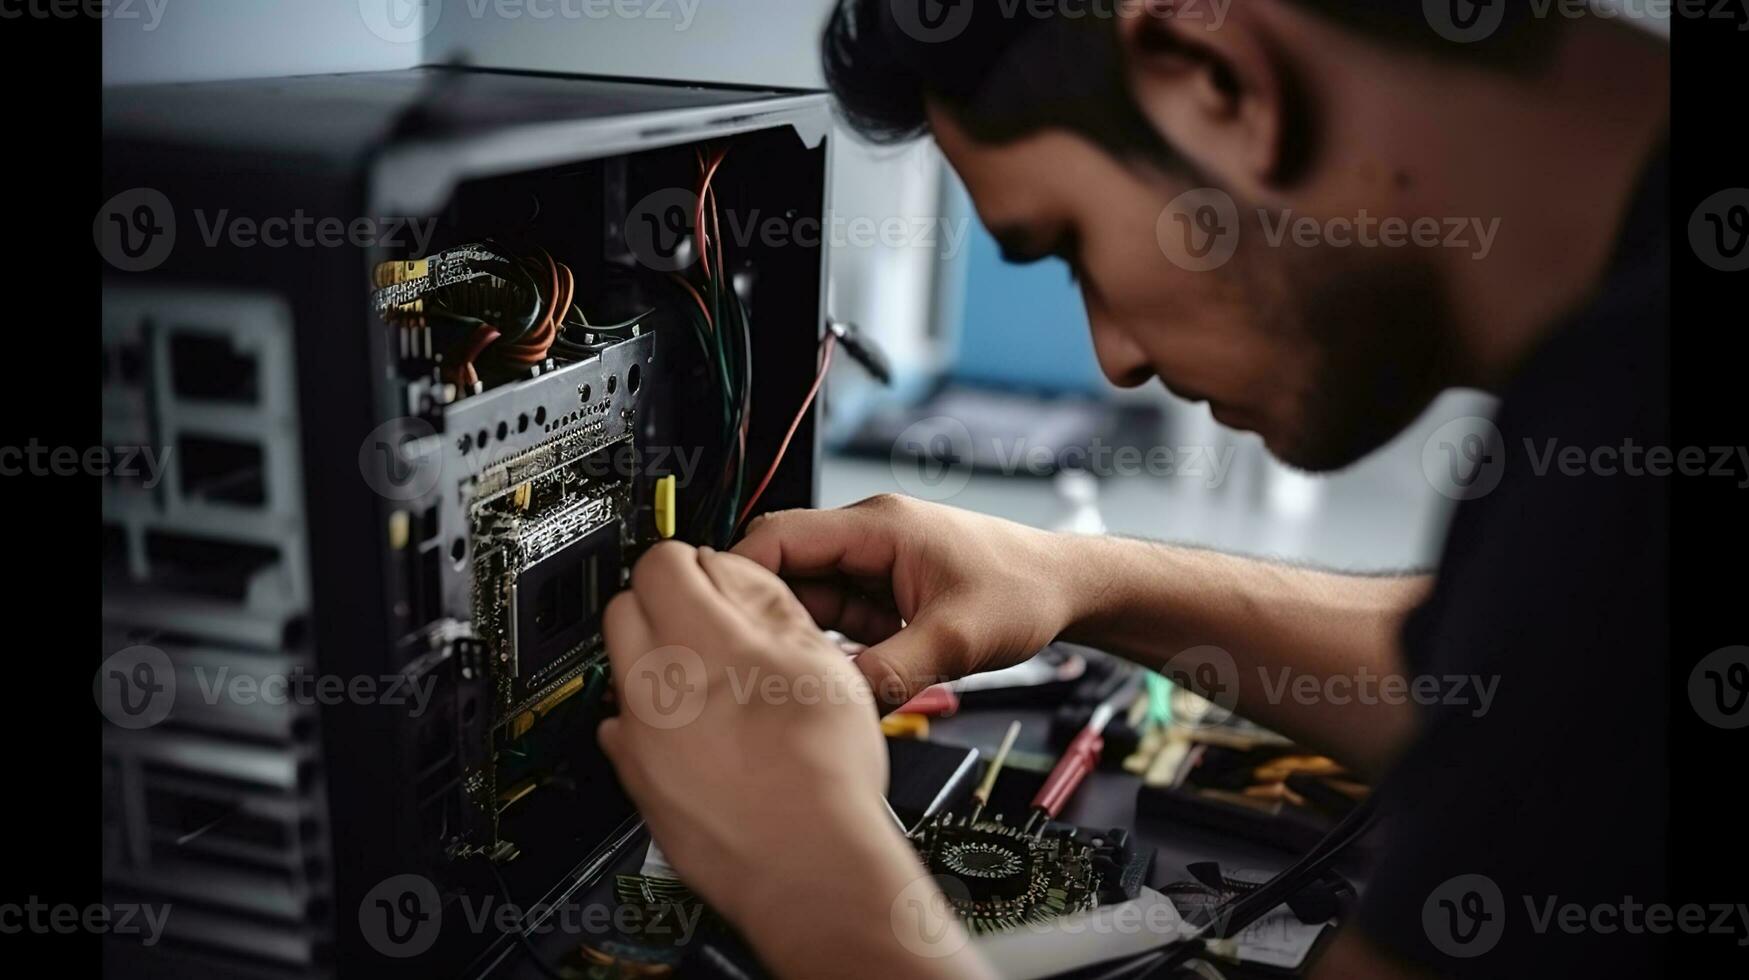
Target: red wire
[783, 449]
[704, 191]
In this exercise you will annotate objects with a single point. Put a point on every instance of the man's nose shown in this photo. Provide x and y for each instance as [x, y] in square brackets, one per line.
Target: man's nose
[1123, 361]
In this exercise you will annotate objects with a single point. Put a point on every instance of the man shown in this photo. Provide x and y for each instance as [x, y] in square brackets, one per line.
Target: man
[1108, 140]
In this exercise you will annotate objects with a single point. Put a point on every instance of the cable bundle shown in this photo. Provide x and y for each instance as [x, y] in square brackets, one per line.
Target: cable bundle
[479, 307]
[725, 336]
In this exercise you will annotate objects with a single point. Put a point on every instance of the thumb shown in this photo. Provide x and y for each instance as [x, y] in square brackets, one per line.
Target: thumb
[608, 735]
[925, 652]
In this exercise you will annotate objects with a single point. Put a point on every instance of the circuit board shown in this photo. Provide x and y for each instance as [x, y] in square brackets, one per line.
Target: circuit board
[997, 877]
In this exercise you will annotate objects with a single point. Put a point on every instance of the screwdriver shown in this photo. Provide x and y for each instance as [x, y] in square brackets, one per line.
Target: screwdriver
[1078, 760]
[981, 795]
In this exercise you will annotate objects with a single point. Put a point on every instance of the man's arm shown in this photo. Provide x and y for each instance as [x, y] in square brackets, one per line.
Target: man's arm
[1308, 651]
[939, 593]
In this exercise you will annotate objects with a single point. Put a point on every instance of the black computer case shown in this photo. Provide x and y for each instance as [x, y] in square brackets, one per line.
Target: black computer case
[310, 520]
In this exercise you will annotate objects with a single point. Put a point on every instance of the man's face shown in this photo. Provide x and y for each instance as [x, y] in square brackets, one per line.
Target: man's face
[1325, 352]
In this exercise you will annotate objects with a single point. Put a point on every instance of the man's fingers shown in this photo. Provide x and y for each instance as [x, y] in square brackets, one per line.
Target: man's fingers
[915, 657]
[856, 540]
[675, 593]
[750, 588]
[608, 735]
[626, 628]
[836, 607]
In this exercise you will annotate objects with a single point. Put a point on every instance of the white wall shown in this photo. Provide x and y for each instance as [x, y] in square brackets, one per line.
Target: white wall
[750, 42]
[197, 40]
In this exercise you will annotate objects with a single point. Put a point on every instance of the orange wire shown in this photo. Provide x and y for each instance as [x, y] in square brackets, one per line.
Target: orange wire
[695, 295]
[783, 448]
[704, 191]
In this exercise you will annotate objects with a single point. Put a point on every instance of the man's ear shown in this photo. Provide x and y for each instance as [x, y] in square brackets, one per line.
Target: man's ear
[1217, 92]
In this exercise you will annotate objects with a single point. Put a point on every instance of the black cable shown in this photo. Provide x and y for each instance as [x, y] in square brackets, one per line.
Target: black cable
[522, 934]
[1234, 915]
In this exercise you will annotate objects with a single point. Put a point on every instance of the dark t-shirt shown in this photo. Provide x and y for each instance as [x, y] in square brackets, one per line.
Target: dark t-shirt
[1529, 838]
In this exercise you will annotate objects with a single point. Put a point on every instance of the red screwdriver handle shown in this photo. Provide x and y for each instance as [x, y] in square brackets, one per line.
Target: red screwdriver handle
[1079, 760]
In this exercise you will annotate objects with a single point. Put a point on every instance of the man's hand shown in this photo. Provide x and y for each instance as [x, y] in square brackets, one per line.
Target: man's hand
[751, 746]
[937, 593]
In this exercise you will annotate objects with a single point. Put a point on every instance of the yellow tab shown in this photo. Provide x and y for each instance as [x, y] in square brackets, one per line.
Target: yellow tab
[524, 496]
[905, 725]
[665, 509]
[400, 529]
[395, 273]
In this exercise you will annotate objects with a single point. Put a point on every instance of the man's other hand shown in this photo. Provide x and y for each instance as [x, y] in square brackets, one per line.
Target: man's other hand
[937, 593]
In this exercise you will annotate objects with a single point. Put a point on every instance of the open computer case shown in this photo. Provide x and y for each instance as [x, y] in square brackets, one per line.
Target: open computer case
[343, 500]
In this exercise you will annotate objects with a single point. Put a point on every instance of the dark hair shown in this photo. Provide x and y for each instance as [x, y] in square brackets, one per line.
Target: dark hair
[1006, 68]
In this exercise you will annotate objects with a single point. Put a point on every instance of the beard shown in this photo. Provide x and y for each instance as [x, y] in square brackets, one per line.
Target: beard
[1378, 327]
